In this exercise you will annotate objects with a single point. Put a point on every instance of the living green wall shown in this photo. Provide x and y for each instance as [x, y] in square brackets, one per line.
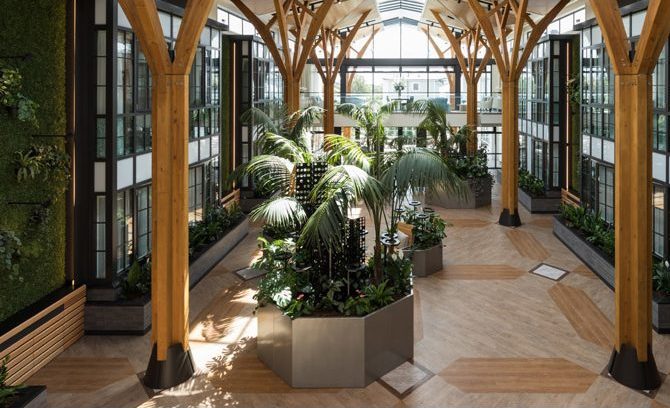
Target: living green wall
[37, 27]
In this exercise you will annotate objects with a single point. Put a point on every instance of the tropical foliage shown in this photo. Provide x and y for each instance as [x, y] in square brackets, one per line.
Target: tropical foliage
[216, 222]
[6, 390]
[138, 280]
[11, 96]
[530, 184]
[378, 178]
[10, 254]
[591, 225]
[49, 162]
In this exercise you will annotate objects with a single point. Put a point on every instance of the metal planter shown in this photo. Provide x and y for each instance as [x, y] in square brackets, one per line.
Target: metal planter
[538, 205]
[336, 352]
[426, 261]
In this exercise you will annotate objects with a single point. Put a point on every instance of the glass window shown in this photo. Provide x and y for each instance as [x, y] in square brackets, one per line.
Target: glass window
[143, 205]
[606, 193]
[658, 205]
[100, 237]
[124, 230]
[195, 194]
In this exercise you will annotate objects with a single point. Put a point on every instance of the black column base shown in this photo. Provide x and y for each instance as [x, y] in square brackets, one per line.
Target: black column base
[177, 368]
[509, 220]
[626, 369]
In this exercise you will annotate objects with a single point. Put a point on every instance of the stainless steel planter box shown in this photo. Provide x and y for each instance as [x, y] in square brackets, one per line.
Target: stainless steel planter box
[427, 261]
[548, 204]
[336, 352]
[472, 198]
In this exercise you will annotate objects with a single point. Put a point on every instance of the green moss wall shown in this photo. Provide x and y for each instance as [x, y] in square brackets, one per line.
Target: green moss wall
[38, 27]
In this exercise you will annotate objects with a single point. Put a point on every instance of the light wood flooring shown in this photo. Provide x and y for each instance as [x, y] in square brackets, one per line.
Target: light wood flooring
[487, 334]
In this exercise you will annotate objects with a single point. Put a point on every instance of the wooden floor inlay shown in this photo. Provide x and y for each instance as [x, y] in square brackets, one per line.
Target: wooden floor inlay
[480, 272]
[82, 375]
[526, 244]
[468, 223]
[518, 375]
[588, 320]
[584, 270]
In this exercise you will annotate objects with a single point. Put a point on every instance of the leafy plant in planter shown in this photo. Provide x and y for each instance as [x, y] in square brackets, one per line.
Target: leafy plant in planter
[6, 391]
[661, 278]
[591, 225]
[19, 105]
[10, 254]
[427, 231]
[138, 280]
[531, 184]
[48, 161]
[217, 221]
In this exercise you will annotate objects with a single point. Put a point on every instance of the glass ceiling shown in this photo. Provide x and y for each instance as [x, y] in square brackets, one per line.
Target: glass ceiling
[401, 9]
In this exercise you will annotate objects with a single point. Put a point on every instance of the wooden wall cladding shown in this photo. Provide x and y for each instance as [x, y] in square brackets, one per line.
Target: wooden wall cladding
[40, 338]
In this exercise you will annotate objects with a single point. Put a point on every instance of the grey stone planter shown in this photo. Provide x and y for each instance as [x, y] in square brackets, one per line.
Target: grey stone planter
[336, 352]
[28, 397]
[472, 198]
[604, 269]
[134, 316]
[215, 253]
[427, 261]
[590, 255]
[549, 204]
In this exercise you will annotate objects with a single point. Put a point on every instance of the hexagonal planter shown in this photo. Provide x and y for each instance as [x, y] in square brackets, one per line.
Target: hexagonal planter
[426, 261]
[336, 352]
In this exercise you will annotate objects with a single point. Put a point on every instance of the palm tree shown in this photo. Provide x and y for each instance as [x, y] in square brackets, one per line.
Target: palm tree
[435, 122]
[397, 172]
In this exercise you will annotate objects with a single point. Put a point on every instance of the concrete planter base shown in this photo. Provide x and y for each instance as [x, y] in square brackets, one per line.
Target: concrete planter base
[472, 198]
[549, 204]
[336, 352]
[28, 397]
[133, 316]
[427, 261]
[604, 269]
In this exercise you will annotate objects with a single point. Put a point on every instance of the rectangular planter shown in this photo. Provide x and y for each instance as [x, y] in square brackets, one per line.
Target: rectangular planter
[336, 352]
[549, 204]
[29, 397]
[427, 261]
[472, 199]
[133, 317]
[604, 269]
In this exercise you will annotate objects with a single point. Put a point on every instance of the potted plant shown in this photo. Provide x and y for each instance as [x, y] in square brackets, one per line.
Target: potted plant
[399, 87]
[534, 196]
[426, 244]
[457, 147]
[660, 310]
[318, 283]
[19, 396]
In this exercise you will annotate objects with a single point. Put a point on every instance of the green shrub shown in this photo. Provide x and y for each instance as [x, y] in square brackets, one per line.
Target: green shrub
[218, 220]
[661, 277]
[531, 184]
[138, 280]
[592, 226]
[428, 229]
[6, 391]
[37, 27]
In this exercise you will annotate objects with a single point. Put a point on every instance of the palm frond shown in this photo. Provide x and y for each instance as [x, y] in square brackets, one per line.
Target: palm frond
[278, 145]
[261, 121]
[303, 120]
[345, 151]
[271, 173]
[420, 167]
[280, 212]
[338, 190]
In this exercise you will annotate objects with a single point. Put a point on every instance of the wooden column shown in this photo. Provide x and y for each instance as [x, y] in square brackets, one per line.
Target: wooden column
[329, 40]
[632, 362]
[291, 17]
[510, 64]
[471, 67]
[170, 362]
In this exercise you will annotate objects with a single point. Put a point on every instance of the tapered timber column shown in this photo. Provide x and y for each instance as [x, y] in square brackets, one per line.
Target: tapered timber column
[302, 20]
[329, 39]
[510, 62]
[632, 362]
[510, 151]
[466, 47]
[170, 362]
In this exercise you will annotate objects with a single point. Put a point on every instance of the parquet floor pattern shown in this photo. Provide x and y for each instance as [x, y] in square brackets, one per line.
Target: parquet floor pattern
[494, 335]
